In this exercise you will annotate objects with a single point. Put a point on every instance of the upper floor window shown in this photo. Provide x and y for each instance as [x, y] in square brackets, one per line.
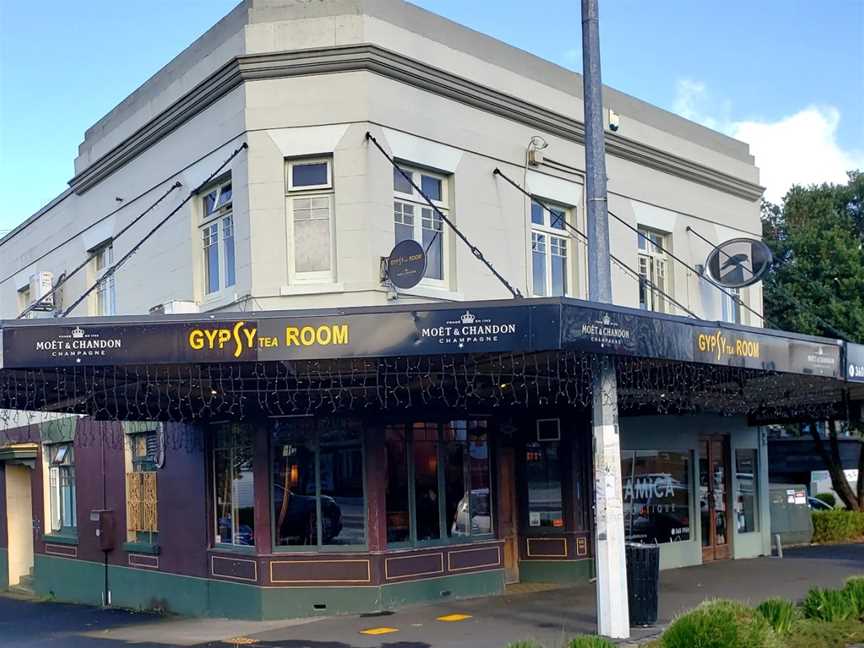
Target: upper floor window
[310, 214]
[106, 296]
[653, 270]
[414, 219]
[217, 239]
[62, 500]
[731, 305]
[549, 250]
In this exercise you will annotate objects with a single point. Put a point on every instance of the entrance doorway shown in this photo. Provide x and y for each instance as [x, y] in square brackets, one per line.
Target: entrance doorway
[714, 498]
[19, 521]
[507, 517]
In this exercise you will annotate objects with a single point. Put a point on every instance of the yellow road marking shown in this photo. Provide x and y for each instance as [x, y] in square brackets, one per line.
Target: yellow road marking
[448, 618]
[379, 631]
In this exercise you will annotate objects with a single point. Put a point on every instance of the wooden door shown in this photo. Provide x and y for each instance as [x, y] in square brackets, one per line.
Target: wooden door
[507, 518]
[714, 497]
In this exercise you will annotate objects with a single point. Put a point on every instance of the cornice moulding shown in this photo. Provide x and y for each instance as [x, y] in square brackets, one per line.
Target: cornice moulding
[371, 58]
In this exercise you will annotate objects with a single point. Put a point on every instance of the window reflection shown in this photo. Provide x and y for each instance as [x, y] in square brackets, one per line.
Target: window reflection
[234, 485]
[543, 473]
[426, 481]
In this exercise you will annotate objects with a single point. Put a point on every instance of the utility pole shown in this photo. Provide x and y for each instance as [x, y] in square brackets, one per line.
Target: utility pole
[613, 619]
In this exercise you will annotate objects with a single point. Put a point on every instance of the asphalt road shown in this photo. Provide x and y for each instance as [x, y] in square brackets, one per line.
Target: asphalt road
[547, 616]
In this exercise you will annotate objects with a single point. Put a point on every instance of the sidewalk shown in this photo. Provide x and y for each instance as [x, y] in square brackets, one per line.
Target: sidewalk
[548, 616]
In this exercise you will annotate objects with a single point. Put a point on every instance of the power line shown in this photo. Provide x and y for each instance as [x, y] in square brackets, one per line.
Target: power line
[615, 259]
[110, 272]
[474, 249]
[66, 276]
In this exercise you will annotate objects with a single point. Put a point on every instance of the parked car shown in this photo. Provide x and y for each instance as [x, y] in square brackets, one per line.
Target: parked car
[816, 504]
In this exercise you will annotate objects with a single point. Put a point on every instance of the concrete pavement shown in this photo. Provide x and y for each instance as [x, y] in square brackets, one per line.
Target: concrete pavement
[548, 615]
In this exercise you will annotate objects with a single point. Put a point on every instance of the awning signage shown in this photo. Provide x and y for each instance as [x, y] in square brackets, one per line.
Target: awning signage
[855, 362]
[471, 328]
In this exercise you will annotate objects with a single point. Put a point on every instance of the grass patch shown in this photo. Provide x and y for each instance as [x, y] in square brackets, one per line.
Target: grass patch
[524, 644]
[837, 525]
[589, 641]
[810, 633]
[828, 605]
[720, 624]
[780, 614]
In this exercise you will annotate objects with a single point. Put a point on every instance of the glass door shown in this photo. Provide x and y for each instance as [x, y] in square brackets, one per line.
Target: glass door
[714, 498]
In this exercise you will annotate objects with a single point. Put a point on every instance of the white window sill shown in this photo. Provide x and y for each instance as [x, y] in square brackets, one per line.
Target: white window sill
[218, 299]
[432, 292]
[311, 289]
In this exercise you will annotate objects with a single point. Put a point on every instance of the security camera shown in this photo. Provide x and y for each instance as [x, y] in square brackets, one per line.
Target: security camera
[614, 120]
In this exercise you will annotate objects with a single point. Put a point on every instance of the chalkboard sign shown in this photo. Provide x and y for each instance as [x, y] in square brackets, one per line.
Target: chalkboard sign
[406, 264]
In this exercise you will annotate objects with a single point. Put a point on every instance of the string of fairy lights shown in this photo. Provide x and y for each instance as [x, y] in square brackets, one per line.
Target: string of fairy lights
[194, 394]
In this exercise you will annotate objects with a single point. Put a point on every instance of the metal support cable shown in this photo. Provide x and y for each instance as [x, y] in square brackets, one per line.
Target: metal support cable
[474, 249]
[615, 259]
[110, 272]
[66, 276]
[786, 295]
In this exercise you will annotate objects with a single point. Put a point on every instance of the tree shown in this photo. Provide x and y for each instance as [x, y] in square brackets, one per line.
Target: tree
[817, 283]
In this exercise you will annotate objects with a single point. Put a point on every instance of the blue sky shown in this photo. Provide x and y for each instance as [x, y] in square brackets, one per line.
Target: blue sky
[785, 75]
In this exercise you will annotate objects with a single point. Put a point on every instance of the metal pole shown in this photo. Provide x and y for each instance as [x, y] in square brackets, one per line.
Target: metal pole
[610, 561]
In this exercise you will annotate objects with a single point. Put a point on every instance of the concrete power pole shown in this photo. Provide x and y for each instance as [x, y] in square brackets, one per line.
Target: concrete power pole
[613, 618]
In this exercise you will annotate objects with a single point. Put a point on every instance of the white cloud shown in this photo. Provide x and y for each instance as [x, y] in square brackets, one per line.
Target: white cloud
[801, 148]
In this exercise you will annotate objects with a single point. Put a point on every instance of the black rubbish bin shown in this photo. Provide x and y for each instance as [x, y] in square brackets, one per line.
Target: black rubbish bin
[643, 582]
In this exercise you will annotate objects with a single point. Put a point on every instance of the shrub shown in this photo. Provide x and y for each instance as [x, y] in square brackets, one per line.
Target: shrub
[589, 641]
[854, 590]
[836, 526]
[528, 643]
[829, 498]
[720, 624]
[828, 605]
[779, 613]
[808, 633]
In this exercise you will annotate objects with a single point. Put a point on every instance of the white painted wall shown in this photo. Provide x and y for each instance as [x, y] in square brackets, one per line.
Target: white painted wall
[19, 517]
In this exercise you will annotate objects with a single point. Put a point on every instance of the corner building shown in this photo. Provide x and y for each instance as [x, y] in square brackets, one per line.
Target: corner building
[258, 426]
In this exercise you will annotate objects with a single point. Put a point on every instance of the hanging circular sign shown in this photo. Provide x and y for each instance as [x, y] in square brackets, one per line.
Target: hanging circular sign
[739, 262]
[406, 264]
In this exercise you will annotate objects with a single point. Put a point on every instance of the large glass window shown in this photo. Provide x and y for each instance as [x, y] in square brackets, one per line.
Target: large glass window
[217, 239]
[310, 209]
[746, 475]
[233, 482]
[656, 495]
[543, 476]
[438, 484]
[652, 259]
[414, 219]
[549, 250]
[141, 494]
[318, 495]
[61, 487]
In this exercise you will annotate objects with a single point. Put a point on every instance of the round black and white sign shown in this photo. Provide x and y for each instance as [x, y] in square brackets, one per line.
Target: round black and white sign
[739, 262]
[406, 264]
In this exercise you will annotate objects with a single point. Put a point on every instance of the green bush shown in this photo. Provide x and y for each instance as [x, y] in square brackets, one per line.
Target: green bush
[828, 605]
[589, 641]
[720, 624]
[837, 526]
[780, 613]
[854, 590]
[829, 498]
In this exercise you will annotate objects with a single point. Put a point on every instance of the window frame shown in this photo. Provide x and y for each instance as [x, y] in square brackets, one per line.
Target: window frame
[217, 543]
[54, 489]
[134, 465]
[653, 258]
[103, 261]
[24, 300]
[292, 162]
[217, 218]
[444, 538]
[730, 306]
[292, 193]
[320, 547]
[755, 492]
[419, 202]
[548, 232]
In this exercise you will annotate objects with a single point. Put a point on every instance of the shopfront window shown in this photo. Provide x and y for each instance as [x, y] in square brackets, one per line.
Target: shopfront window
[543, 474]
[438, 485]
[656, 495]
[318, 496]
[234, 485]
[61, 488]
[746, 475]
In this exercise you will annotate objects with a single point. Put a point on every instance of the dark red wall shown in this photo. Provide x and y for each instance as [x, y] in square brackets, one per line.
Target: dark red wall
[4, 540]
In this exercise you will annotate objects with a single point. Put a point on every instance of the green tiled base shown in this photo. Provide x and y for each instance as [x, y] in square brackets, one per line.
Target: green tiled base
[79, 581]
[556, 571]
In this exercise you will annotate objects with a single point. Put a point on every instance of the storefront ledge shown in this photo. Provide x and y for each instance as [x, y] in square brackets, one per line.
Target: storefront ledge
[63, 539]
[4, 569]
[556, 571]
[234, 549]
[142, 548]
